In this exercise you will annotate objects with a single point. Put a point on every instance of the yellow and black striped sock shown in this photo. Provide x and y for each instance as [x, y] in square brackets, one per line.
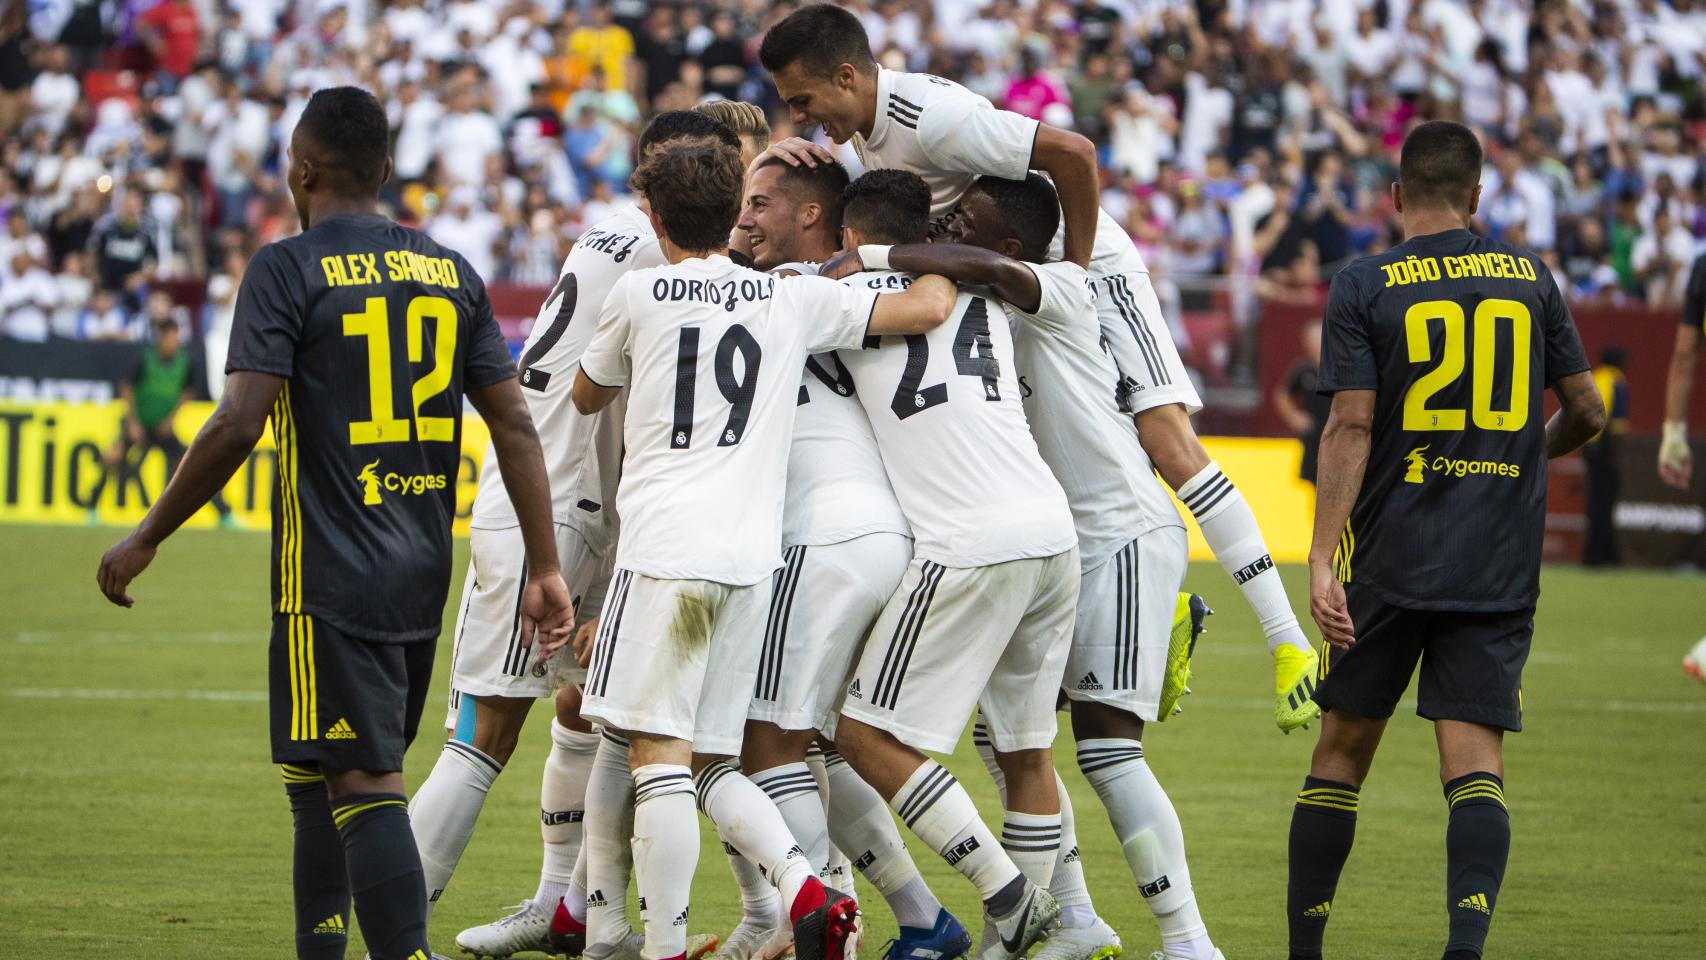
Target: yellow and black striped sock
[1477, 844]
[385, 875]
[317, 870]
[1323, 825]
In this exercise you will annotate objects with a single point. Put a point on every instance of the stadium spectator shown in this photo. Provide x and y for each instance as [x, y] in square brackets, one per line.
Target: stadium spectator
[126, 255]
[1304, 411]
[1661, 258]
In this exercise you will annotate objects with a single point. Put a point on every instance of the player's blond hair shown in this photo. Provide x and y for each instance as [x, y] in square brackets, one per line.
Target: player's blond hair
[747, 120]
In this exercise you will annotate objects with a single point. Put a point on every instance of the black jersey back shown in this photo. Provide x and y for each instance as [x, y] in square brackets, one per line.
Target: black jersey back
[1460, 337]
[378, 330]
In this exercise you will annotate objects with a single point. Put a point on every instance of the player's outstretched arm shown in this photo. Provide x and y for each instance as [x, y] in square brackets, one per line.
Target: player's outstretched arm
[545, 604]
[1344, 455]
[591, 396]
[217, 451]
[921, 308]
[1070, 161]
[1581, 417]
[1676, 460]
[1011, 280]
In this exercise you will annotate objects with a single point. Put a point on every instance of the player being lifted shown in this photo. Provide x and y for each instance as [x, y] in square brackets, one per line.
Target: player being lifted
[820, 60]
[1428, 524]
[983, 617]
[846, 546]
[494, 681]
[711, 354]
[1133, 628]
[359, 338]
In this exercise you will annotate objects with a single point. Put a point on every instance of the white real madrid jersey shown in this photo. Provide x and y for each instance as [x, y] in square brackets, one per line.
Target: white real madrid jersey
[946, 412]
[711, 354]
[582, 454]
[1068, 381]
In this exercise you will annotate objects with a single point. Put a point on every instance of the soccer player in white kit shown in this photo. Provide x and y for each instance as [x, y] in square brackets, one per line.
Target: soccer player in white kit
[711, 354]
[820, 60]
[983, 617]
[495, 680]
[846, 544]
[1131, 541]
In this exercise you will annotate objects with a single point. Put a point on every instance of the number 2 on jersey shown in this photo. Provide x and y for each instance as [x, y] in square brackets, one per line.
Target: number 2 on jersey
[374, 324]
[974, 356]
[1417, 414]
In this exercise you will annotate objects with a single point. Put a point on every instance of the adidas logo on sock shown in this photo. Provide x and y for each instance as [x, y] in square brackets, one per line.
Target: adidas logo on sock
[332, 925]
[1090, 682]
[681, 920]
[853, 690]
[1071, 856]
[1320, 909]
[1476, 902]
[595, 899]
[340, 731]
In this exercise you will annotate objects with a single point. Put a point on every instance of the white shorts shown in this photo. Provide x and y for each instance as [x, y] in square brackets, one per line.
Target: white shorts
[1125, 621]
[1151, 373]
[677, 658]
[487, 659]
[824, 600]
[954, 638]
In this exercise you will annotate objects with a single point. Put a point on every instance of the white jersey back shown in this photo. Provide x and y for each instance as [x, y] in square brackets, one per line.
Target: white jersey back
[951, 136]
[711, 353]
[1068, 382]
[946, 412]
[582, 454]
[837, 487]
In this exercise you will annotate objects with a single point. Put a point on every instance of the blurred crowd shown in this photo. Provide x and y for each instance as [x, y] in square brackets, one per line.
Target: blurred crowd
[1247, 145]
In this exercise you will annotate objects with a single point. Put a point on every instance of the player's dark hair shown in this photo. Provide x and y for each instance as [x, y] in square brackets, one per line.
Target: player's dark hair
[694, 188]
[1440, 165]
[1030, 210]
[888, 206]
[824, 185]
[350, 126]
[819, 37]
[686, 124]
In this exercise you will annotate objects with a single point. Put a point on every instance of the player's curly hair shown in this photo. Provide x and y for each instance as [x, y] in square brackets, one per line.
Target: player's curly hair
[349, 125]
[888, 206]
[1030, 209]
[695, 189]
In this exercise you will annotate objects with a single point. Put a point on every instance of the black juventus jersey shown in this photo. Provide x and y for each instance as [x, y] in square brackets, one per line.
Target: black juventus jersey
[378, 331]
[1694, 299]
[1460, 337]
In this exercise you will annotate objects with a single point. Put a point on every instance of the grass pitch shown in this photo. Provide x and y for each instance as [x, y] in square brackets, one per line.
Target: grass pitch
[139, 817]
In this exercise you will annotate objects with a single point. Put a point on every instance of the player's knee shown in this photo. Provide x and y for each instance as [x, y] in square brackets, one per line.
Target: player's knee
[1346, 749]
[569, 709]
[859, 742]
[346, 782]
[1099, 721]
[1466, 748]
[1166, 434]
[767, 745]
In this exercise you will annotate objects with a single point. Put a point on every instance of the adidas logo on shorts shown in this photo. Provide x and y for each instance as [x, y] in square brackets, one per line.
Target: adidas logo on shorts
[853, 690]
[1090, 682]
[340, 731]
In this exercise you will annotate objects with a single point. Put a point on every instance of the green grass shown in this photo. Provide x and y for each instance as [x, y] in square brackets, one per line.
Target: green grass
[137, 822]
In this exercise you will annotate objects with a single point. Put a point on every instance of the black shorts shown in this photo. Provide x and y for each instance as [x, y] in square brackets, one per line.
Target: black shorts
[1471, 662]
[340, 702]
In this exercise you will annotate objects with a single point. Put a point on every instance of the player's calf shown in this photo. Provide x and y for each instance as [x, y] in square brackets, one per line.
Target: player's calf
[318, 875]
[384, 866]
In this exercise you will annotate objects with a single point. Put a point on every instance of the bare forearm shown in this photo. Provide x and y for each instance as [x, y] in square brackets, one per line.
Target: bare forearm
[1070, 161]
[1344, 456]
[964, 263]
[1568, 430]
[212, 458]
[1679, 387]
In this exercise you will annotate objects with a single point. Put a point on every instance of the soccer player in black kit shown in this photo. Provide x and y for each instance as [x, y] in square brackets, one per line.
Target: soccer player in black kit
[359, 337]
[1430, 510]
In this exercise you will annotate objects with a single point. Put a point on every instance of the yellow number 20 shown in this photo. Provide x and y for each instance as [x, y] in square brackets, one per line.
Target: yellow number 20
[1417, 414]
[373, 323]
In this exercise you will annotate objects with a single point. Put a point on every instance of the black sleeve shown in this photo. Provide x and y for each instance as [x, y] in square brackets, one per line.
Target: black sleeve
[268, 322]
[488, 358]
[1694, 301]
[1564, 353]
[1347, 350]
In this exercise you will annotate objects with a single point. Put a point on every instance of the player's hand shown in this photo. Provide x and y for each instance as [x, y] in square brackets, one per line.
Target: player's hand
[1327, 606]
[548, 610]
[844, 264]
[584, 638]
[1676, 460]
[122, 564]
[795, 151]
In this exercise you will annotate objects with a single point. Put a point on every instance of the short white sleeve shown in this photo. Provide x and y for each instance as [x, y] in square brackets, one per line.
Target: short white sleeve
[606, 360]
[978, 139]
[1066, 297]
[835, 314]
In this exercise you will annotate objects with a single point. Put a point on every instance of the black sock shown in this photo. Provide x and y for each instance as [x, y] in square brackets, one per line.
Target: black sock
[1477, 842]
[1323, 824]
[319, 877]
[384, 873]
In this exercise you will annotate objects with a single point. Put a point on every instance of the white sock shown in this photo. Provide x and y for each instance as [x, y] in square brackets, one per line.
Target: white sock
[1148, 830]
[748, 820]
[860, 823]
[666, 851]
[939, 811]
[760, 905]
[609, 855]
[562, 806]
[793, 789]
[1032, 840]
[574, 895]
[445, 808]
[1067, 885]
[839, 871]
[1231, 531]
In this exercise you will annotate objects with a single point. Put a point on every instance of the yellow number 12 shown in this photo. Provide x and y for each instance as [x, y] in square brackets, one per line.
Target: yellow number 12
[373, 323]
[1417, 414]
